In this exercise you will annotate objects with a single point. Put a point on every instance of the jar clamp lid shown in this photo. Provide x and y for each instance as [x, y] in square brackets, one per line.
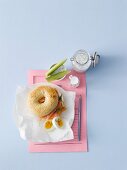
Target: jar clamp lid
[95, 59]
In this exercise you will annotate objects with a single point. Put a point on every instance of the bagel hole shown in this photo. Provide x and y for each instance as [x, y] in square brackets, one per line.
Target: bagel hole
[41, 100]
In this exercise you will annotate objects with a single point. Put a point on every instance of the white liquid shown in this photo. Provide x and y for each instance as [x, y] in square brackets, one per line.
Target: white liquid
[74, 81]
[81, 61]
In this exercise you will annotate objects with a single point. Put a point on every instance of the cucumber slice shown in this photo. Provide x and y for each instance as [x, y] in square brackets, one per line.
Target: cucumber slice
[57, 76]
[55, 67]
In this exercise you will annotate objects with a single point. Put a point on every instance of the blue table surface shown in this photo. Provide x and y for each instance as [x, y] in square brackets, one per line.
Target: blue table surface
[35, 34]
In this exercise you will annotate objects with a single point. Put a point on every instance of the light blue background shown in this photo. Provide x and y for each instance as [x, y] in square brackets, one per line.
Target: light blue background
[36, 33]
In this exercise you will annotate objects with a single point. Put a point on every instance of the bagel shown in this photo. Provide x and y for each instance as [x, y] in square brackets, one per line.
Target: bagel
[43, 100]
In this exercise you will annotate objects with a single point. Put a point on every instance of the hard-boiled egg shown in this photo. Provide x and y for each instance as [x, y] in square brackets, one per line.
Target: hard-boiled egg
[58, 122]
[48, 125]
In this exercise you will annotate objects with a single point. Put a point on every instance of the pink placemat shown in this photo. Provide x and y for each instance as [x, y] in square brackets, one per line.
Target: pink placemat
[37, 76]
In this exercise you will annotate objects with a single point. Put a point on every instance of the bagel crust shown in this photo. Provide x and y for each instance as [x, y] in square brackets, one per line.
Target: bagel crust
[43, 100]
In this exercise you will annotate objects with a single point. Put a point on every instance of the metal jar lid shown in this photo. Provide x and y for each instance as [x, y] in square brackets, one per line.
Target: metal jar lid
[95, 59]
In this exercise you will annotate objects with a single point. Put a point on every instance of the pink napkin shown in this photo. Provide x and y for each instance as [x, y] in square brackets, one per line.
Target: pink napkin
[37, 76]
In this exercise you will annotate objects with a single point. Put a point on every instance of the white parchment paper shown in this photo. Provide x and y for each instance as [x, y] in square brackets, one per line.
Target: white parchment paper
[31, 129]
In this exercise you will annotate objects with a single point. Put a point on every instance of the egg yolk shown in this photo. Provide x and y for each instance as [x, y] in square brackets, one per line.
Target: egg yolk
[60, 122]
[48, 124]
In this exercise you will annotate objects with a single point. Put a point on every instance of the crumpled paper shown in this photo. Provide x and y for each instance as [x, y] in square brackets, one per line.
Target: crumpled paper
[31, 129]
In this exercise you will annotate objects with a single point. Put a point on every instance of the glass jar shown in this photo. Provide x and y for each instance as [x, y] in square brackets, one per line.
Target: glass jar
[81, 60]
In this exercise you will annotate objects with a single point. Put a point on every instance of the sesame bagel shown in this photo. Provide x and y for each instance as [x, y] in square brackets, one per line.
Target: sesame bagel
[43, 100]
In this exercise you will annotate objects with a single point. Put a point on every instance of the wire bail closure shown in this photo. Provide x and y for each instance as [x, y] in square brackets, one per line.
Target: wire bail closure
[95, 59]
